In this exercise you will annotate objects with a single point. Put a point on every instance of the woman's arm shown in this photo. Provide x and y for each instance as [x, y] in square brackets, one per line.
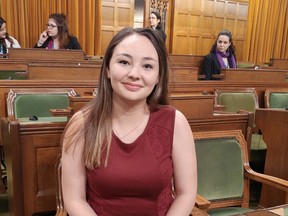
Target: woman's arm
[185, 168]
[207, 67]
[73, 170]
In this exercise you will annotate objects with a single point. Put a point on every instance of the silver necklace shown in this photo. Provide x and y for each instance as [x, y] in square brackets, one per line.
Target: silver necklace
[129, 132]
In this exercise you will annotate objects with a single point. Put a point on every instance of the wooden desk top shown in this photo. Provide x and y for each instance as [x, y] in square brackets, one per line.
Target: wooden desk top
[281, 210]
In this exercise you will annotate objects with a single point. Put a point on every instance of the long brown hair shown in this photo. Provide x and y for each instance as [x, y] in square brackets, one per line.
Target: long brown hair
[97, 115]
[63, 32]
[2, 40]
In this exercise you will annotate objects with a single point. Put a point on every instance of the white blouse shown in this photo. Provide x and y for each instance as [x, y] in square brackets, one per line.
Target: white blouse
[15, 43]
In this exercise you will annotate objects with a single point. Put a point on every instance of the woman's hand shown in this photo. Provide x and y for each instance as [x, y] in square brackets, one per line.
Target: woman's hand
[43, 37]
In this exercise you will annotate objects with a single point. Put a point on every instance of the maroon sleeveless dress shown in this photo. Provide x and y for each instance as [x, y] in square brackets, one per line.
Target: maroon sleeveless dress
[138, 178]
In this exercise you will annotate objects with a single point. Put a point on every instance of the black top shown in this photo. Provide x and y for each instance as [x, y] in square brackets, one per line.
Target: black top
[211, 65]
[162, 33]
[72, 44]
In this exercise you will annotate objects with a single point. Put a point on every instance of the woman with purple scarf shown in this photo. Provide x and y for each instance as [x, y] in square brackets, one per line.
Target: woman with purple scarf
[222, 55]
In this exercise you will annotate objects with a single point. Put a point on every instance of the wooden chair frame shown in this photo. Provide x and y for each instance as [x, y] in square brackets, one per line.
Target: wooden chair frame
[249, 174]
[60, 211]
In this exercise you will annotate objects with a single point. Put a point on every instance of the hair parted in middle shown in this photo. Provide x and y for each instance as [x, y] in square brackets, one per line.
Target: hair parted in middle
[229, 35]
[63, 32]
[97, 115]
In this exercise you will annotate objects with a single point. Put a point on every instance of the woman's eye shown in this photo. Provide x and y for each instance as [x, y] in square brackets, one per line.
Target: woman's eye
[148, 66]
[124, 62]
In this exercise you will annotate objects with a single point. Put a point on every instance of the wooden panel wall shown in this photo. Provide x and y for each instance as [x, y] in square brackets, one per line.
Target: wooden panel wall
[196, 24]
[116, 14]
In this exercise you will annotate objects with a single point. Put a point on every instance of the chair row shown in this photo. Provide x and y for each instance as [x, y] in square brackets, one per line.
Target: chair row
[29, 128]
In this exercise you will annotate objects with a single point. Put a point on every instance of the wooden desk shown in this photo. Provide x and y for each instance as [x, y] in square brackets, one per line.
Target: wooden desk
[273, 124]
[51, 54]
[187, 103]
[259, 75]
[31, 149]
[281, 210]
[279, 63]
[46, 71]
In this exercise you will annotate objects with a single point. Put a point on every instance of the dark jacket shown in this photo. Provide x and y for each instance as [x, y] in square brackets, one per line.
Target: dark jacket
[72, 44]
[211, 65]
[162, 34]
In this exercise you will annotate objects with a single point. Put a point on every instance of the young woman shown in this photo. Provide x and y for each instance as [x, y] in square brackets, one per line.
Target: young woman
[222, 55]
[156, 24]
[123, 153]
[57, 36]
[6, 41]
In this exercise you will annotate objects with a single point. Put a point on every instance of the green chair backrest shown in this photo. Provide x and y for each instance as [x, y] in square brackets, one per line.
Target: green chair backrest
[220, 168]
[39, 104]
[278, 100]
[235, 101]
[14, 75]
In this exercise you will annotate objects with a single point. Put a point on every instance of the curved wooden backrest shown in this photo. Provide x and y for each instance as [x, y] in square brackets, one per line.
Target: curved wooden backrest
[26, 102]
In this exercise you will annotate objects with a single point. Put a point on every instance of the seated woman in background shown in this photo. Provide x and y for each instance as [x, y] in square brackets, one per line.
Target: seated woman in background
[57, 35]
[6, 41]
[156, 24]
[222, 55]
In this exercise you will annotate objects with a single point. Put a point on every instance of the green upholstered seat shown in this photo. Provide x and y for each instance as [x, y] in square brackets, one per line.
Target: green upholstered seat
[278, 100]
[257, 142]
[235, 100]
[221, 173]
[245, 65]
[39, 104]
[228, 211]
[220, 168]
[14, 75]
[28, 102]
[43, 120]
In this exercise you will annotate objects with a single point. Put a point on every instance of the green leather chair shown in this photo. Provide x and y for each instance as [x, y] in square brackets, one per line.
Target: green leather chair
[224, 173]
[13, 75]
[24, 103]
[236, 99]
[276, 98]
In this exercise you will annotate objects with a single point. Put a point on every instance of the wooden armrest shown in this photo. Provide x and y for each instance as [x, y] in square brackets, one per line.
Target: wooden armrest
[202, 203]
[68, 112]
[198, 212]
[219, 107]
[267, 179]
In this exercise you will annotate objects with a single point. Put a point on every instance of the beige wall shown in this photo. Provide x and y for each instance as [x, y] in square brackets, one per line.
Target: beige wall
[192, 25]
[197, 22]
[115, 16]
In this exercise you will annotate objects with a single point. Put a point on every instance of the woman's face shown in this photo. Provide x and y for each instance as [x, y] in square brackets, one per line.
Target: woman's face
[133, 69]
[52, 28]
[3, 31]
[153, 20]
[223, 43]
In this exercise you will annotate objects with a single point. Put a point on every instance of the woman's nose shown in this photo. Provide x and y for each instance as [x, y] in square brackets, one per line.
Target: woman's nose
[134, 72]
